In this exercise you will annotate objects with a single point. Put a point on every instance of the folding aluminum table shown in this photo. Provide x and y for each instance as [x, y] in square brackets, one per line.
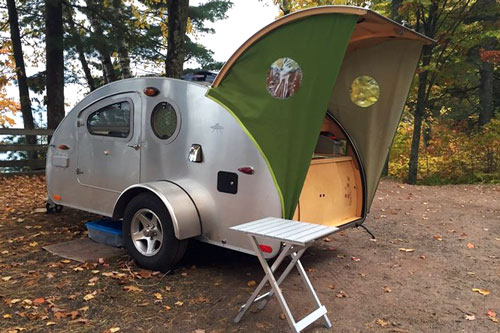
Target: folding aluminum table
[297, 237]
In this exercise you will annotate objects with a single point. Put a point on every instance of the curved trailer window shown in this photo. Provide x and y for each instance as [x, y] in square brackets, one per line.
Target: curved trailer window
[111, 120]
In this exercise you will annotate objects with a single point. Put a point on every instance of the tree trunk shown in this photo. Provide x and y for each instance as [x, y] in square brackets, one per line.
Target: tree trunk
[395, 4]
[486, 74]
[79, 49]
[419, 115]
[22, 83]
[107, 66]
[101, 43]
[54, 62]
[176, 50]
[122, 42]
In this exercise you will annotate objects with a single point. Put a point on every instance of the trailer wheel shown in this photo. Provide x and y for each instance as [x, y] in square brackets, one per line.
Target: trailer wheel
[149, 234]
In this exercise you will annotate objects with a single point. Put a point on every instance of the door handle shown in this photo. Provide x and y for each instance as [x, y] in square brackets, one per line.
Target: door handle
[135, 146]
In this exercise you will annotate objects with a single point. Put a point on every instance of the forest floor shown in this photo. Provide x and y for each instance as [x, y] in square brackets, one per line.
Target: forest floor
[435, 267]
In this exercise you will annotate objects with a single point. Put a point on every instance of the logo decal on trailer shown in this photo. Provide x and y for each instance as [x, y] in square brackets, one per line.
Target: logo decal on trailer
[217, 128]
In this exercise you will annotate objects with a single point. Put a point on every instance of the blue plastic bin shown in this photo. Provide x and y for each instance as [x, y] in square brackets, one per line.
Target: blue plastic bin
[106, 231]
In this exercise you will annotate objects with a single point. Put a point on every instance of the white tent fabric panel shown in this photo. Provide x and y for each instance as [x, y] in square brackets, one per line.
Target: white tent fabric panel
[392, 64]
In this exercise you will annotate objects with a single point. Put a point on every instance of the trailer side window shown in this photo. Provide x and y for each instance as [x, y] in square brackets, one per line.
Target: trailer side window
[164, 120]
[112, 120]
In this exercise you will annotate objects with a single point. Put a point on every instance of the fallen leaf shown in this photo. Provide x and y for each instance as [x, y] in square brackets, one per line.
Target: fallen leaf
[341, 294]
[94, 279]
[251, 283]
[355, 259]
[382, 322]
[387, 289]
[470, 317]
[14, 301]
[6, 278]
[79, 321]
[33, 244]
[179, 303]
[282, 316]
[199, 331]
[38, 301]
[332, 286]
[50, 323]
[402, 249]
[132, 288]
[83, 309]
[438, 237]
[158, 296]
[470, 245]
[114, 329]
[65, 261]
[184, 274]
[422, 256]
[7, 316]
[60, 315]
[492, 316]
[327, 239]
[144, 274]
[481, 291]
[78, 269]
[88, 297]
[167, 308]
[73, 314]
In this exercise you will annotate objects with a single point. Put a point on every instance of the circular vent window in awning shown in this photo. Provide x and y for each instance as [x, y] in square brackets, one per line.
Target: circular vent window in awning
[364, 91]
[284, 78]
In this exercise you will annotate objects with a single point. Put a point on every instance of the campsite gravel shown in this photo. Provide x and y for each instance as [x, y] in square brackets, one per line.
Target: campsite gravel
[435, 267]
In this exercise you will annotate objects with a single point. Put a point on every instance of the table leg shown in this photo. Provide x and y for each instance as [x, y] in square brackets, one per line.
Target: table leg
[274, 285]
[254, 295]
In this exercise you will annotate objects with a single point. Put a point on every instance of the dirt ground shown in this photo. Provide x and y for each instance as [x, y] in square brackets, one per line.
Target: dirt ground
[435, 267]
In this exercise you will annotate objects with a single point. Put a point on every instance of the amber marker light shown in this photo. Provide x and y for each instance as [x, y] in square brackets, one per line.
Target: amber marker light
[56, 197]
[151, 91]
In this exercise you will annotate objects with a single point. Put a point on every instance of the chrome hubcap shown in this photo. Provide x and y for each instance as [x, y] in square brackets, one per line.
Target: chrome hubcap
[146, 232]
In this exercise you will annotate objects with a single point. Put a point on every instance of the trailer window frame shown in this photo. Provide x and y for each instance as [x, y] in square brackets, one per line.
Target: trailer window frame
[152, 119]
[130, 120]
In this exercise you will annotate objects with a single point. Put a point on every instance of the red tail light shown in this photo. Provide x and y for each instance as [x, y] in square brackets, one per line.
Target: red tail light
[247, 170]
[266, 248]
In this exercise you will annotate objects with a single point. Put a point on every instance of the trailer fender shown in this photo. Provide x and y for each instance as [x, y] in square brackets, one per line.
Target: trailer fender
[181, 207]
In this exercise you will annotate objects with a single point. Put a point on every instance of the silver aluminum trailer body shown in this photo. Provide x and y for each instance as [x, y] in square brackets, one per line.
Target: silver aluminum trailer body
[96, 171]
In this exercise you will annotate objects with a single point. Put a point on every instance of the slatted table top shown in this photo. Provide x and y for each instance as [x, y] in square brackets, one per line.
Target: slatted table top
[288, 231]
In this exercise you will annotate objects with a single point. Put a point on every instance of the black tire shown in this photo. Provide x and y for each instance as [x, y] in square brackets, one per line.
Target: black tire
[171, 250]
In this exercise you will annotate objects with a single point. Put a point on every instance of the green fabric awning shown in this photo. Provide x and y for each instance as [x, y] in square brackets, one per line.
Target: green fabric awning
[286, 129]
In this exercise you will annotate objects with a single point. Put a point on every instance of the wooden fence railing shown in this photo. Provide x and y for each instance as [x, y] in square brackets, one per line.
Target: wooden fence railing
[35, 165]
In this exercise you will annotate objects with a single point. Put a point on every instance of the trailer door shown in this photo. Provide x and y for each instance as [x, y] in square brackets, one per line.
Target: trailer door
[109, 133]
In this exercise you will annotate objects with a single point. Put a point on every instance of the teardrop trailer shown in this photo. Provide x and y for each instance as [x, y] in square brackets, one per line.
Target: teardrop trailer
[296, 126]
